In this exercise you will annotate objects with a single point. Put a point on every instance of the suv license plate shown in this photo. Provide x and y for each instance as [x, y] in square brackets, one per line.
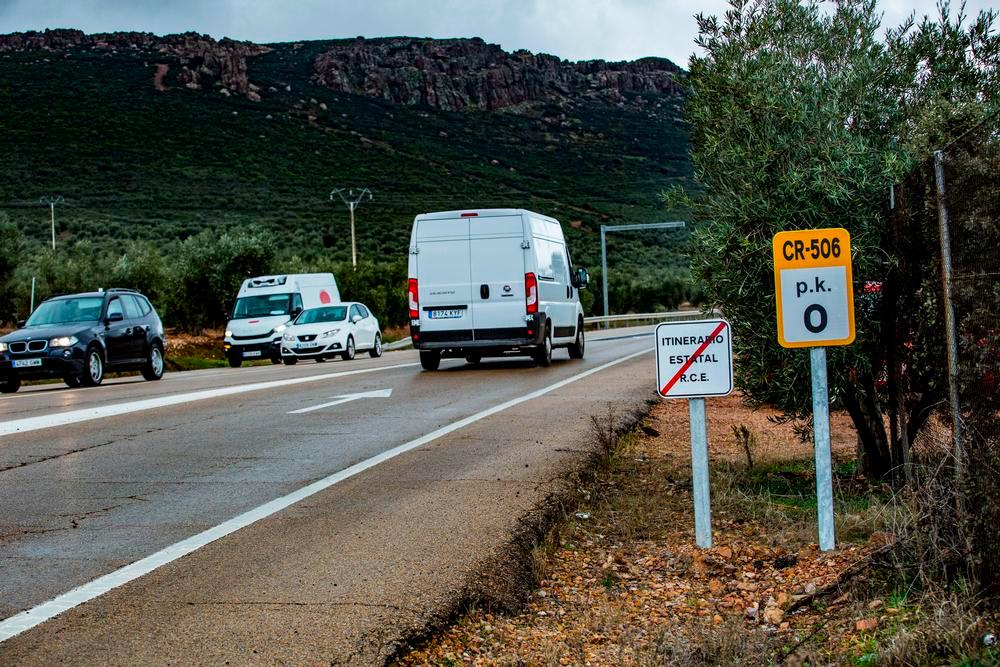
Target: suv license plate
[26, 363]
[444, 314]
[252, 353]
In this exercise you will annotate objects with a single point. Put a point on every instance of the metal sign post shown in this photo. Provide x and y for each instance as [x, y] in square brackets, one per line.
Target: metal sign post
[814, 293]
[695, 360]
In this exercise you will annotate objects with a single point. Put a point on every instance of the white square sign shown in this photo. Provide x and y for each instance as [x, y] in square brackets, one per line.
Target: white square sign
[694, 359]
[814, 304]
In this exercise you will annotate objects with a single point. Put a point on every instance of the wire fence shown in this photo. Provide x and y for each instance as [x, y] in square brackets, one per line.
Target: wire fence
[944, 368]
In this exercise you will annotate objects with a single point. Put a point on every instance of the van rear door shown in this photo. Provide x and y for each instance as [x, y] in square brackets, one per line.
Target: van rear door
[497, 255]
[443, 278]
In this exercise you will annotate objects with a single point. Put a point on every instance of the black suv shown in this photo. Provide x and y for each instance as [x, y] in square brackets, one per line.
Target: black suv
[77, 337]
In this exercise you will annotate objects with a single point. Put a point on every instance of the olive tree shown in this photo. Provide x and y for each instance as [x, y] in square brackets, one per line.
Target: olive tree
[803, 115]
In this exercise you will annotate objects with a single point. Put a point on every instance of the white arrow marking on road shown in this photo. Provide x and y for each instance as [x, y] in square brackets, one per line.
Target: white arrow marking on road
[346, 398]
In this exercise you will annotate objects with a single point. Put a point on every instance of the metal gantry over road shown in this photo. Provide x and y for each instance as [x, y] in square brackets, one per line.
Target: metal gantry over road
[604, 249]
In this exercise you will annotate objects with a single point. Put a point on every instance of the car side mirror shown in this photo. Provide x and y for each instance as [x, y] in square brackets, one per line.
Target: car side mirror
[356, 319]
[581, 278]
[21, 323]
[295, 312]
[115, 317]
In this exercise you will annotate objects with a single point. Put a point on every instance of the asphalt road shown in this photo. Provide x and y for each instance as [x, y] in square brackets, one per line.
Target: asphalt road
[409, 489]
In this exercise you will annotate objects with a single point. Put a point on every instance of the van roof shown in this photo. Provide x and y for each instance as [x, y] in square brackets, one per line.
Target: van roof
[482, 213]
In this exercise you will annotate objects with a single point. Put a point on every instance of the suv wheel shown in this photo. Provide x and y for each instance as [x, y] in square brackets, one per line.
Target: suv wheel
[72, 381]
[234, 361]
[153, 370]
[543, 355]
[430, 359]
[290, 361]
[93, 368]
[10, 385]
[576, 349]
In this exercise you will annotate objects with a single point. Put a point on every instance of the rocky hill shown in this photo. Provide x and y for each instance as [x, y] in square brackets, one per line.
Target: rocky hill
[159, 137]
[461, 74]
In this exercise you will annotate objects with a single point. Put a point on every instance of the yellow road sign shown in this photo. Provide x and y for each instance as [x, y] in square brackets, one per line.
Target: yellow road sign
[813, 285]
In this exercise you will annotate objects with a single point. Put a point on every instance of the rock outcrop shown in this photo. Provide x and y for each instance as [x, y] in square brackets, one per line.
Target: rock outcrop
[202, 61]
[461, 74]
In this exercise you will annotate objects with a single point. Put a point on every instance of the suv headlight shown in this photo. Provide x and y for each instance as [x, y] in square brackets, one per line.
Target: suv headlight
[3, 347]
[63, 341]
[229, 333]
[288, 336]
[330, 333]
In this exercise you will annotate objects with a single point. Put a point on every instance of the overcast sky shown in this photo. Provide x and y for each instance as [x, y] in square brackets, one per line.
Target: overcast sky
[573, 29]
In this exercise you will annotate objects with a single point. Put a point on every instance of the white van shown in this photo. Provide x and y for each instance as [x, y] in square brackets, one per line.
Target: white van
[264, 307]
[491, 283]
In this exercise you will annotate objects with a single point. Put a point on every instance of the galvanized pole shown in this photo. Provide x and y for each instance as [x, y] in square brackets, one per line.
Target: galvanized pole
[821, 442]
[354, 247]
[604, 272]
[950, 330]
[699, 474]
[51, 202]
[32, 295]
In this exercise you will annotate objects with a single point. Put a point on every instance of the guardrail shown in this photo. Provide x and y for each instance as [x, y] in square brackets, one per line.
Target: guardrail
[630, 317]
[634, 317]
[397, 344]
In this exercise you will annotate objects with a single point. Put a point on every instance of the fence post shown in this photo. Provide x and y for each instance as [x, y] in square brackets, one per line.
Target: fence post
[951, 336]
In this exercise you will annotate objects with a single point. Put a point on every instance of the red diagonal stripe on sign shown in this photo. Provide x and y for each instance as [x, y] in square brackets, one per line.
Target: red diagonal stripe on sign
[687, 364]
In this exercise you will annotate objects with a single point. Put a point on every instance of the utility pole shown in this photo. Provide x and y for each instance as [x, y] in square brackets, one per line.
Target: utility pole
[352, 200]
[51, 202]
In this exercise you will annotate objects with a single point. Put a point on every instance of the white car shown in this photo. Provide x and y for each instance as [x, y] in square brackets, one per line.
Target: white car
[341, 330]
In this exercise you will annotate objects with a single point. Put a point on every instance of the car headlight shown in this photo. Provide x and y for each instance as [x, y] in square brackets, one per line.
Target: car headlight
[63, 341]
[229, 334]
[288, 336]
[279, 329]
[330, 333]
[3, 347]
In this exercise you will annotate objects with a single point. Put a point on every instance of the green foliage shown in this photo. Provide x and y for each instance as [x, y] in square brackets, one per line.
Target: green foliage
[787, 132]
[803, 116]
[11, 249]
[209, 270]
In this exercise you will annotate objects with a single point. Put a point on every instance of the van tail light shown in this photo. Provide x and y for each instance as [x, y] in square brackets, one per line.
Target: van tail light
[530, 293]
[414, 299]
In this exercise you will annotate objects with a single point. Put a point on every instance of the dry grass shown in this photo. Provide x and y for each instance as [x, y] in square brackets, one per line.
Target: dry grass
[620, 582]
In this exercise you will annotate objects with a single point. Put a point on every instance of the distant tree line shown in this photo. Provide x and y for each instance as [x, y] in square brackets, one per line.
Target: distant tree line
[193, 282]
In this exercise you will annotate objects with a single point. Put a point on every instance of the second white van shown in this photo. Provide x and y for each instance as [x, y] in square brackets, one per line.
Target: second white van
[264, 307]
[493, 282]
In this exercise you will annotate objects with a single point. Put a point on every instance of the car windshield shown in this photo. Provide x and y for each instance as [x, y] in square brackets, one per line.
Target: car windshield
[65, 311]
[328, 314]
[264, 305]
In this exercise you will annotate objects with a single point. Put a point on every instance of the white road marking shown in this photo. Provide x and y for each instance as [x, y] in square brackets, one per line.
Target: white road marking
[346, 398]
[28, 619]
[87, 414]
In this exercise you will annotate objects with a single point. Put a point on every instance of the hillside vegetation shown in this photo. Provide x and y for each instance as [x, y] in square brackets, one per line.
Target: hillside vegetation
[161, 163]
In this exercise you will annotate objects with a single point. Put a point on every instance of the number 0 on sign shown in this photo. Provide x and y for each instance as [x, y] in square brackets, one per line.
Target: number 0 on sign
[813, 286]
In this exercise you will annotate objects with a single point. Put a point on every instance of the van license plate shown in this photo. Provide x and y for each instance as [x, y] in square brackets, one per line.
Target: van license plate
[27, 363]
[444, 314]
[252, 353]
